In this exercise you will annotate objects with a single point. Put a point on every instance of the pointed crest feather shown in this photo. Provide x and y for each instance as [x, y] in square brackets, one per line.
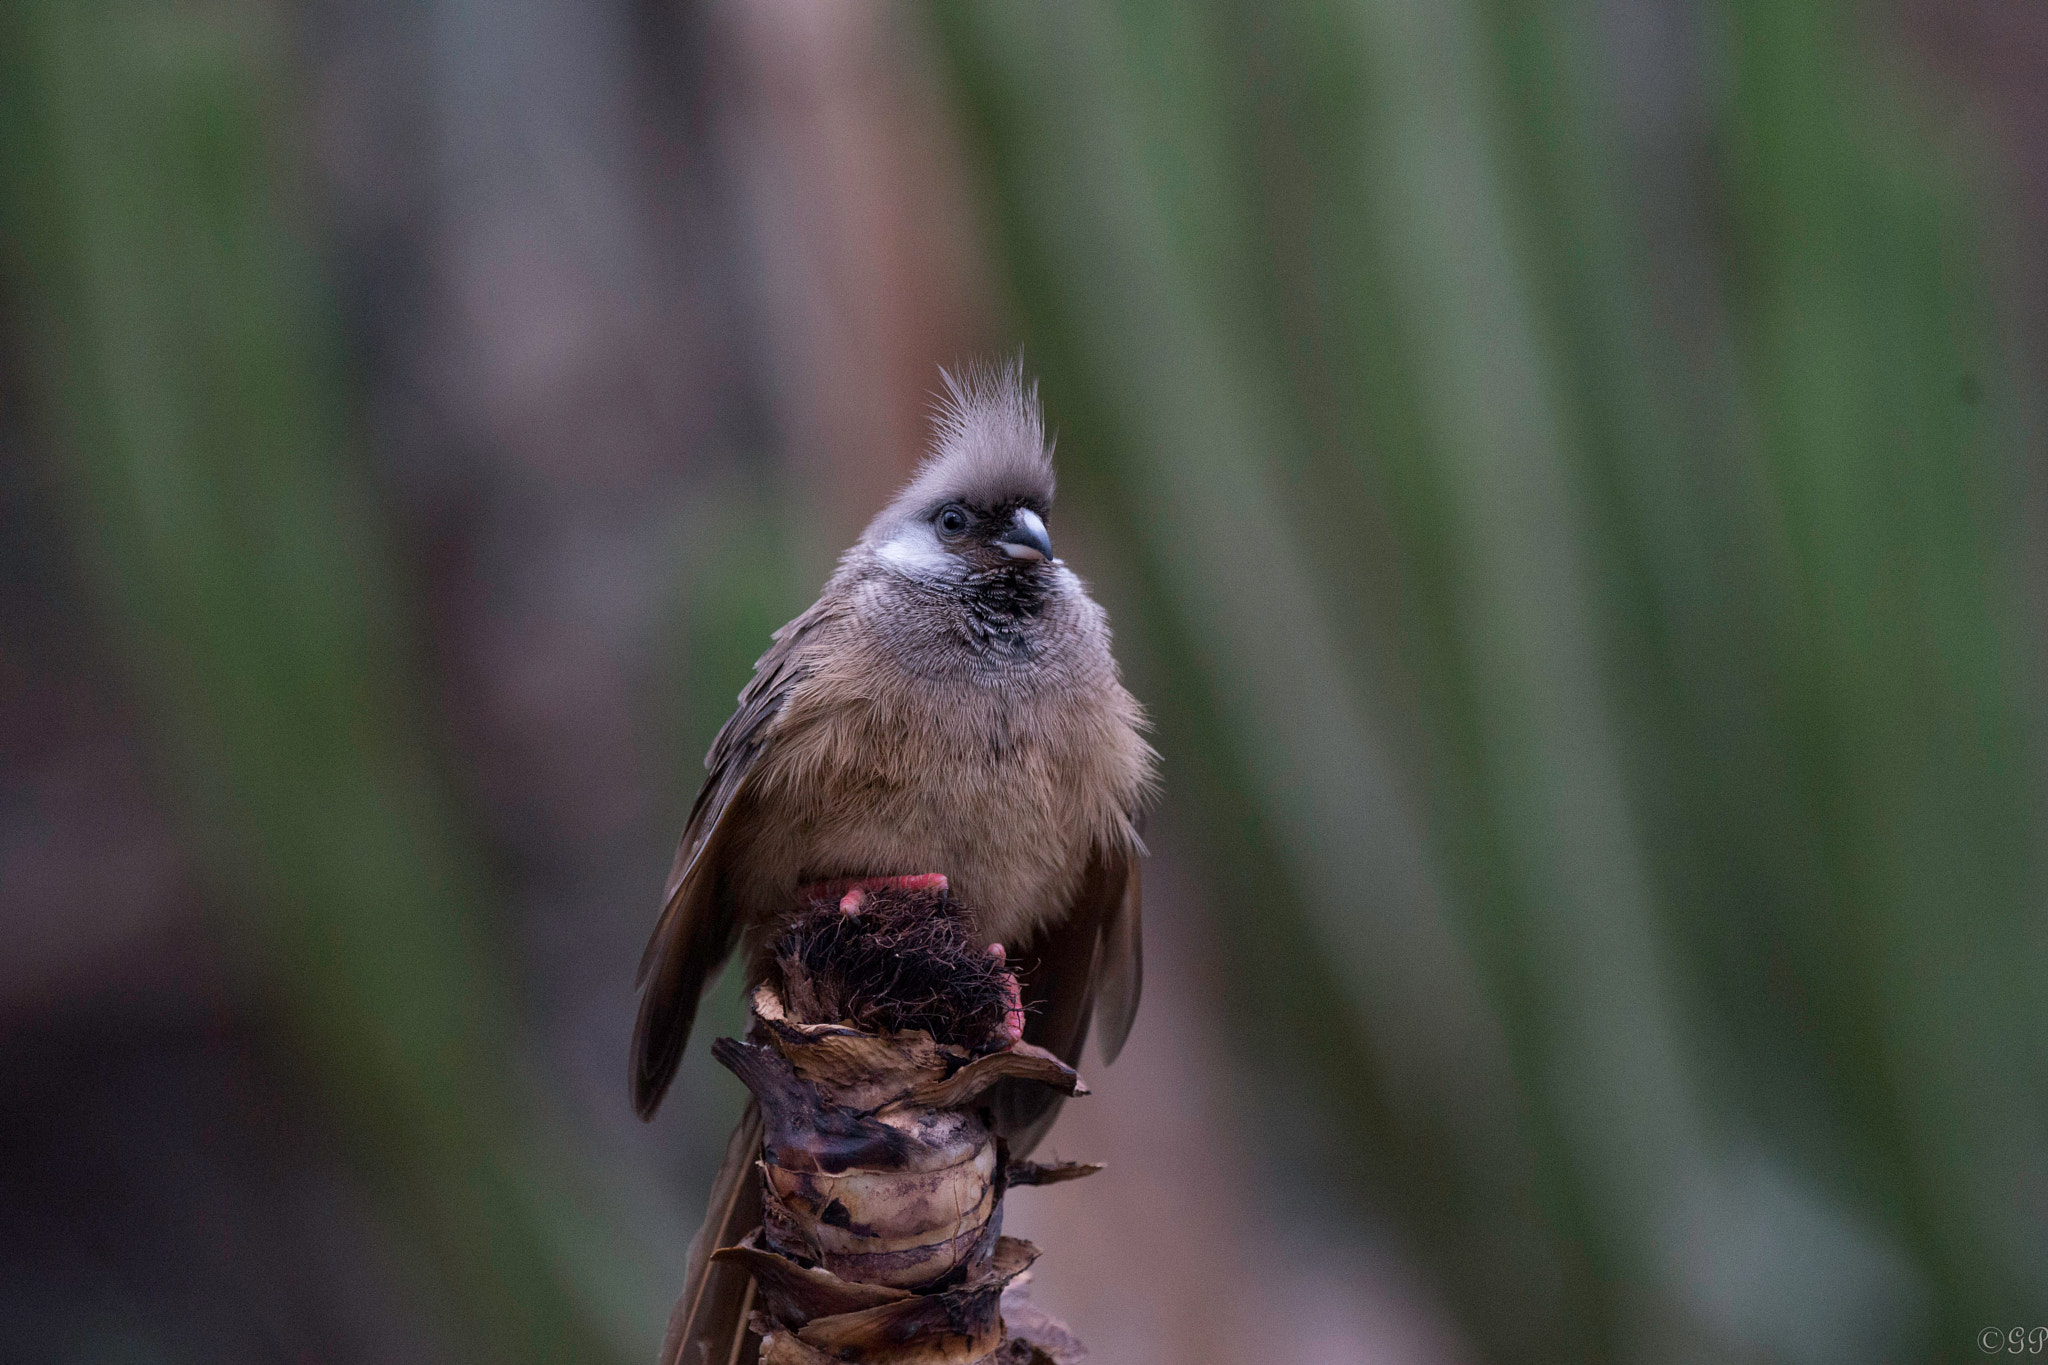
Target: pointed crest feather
[988, 445]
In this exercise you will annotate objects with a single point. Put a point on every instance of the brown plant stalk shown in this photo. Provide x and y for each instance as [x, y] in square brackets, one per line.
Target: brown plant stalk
[859, 1218]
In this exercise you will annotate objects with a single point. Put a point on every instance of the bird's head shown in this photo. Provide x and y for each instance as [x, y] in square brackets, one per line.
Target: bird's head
[976, 508]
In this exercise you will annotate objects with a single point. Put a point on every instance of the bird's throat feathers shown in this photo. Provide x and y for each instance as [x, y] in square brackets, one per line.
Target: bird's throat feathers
[1006, 615]
[1002, 611]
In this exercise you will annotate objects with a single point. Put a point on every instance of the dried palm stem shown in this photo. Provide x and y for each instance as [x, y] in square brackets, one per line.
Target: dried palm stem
[881, 1175]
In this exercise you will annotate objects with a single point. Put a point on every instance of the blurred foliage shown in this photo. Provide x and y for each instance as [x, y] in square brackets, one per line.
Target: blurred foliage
[1586, 571]
[187, 371]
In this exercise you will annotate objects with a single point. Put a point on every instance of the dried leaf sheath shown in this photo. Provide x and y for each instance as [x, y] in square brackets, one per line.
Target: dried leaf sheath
[877, 1193]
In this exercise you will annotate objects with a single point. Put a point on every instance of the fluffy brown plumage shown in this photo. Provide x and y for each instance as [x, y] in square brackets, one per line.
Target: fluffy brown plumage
[948, 705]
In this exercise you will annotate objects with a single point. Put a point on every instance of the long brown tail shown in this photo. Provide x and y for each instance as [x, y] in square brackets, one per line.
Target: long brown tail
[709, 1324]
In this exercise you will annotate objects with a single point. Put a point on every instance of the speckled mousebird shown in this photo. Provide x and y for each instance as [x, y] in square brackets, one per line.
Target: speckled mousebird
[949, 704]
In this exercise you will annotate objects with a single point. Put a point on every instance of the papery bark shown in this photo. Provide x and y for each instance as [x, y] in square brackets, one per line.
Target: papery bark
[881, 1185]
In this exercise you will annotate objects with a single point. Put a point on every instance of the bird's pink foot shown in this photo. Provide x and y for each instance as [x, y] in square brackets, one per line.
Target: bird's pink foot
[851, 892]
[1013, 1000]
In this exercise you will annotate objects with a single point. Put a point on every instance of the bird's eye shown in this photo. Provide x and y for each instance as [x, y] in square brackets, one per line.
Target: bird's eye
[952, 521]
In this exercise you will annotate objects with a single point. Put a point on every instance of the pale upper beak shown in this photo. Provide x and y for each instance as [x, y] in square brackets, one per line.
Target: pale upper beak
[1026, 538]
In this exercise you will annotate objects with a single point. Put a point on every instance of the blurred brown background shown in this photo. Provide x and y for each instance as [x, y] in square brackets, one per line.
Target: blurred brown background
[1567, 476]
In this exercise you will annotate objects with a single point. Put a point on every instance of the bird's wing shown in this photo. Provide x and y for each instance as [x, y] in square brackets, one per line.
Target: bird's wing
[1120, 975]
[698, 928]
[710, 1316]
[1086, 964]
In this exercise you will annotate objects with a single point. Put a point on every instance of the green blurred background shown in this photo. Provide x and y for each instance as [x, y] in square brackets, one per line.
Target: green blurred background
[1568, 478]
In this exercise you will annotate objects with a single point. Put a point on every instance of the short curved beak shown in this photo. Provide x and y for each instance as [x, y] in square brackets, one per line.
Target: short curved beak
[1026, 538]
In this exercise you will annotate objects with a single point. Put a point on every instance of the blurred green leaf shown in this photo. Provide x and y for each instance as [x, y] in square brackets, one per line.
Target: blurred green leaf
[188, 379]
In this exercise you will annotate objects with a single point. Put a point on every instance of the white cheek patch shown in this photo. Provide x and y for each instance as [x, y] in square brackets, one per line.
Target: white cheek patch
[915, 549]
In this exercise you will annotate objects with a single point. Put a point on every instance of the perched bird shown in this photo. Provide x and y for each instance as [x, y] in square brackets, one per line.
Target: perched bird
[949, 704]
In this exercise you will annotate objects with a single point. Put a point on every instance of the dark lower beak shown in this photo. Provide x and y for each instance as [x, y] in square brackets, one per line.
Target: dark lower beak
[1026, 538]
